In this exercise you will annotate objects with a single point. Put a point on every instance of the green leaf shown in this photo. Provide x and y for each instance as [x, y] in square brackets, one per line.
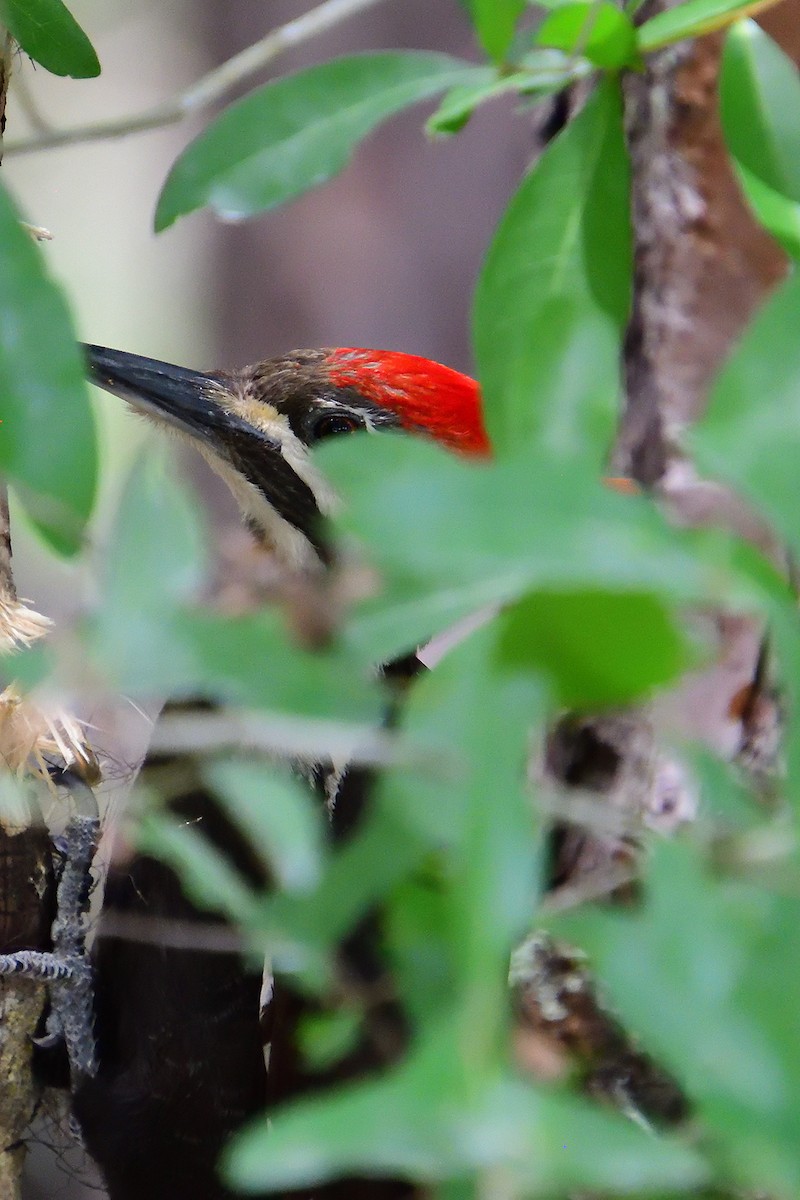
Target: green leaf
[760, 100]
[779, 215]
[295, 133]
[711, 997]
[231, 653]
[554, 292]
[155, 563]
[326, 1038]
[751, 433]
[483, 714]
[598, 31]
[47, 437]
[421, 1121]
[48, 32]
[460, 102]
[693, 19]
[760, 95]
[146, 639]
[536, 522]
[277, 814]
[541, 73]
[211, 882]
[600, 648]
[495, 22]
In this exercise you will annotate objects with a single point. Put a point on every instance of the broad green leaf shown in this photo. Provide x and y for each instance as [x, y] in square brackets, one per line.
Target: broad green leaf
[483, 713]
[541, 72]
[155, 564]
[494, 533]
[47, 437]
[599, 648]
[295, 133]
[211, 882]
[760, 102]
[760, 97]
[48, 32]
[460, 102]
[495, 22]
[325, 1039]
[693, 19]
[356, 878]
[554, 292]
[420, 1120]
[709, 988]
[597, 31]
[252, 660]
[147, 640]
[277, 814]
[779, 215]
[157, 554]
[751, 433]
[420, 946]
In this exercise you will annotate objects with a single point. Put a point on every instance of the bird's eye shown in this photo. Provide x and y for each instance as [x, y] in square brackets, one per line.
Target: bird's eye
[331, 424]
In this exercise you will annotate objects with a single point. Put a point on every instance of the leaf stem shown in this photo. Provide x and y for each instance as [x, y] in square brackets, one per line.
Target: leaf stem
[210, 88]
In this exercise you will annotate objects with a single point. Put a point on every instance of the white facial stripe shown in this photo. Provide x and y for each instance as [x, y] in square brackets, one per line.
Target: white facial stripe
[289, 543]
[276, 427]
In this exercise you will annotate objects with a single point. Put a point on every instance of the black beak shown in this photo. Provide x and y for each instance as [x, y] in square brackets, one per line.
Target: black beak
[191, 401]
[175, 394]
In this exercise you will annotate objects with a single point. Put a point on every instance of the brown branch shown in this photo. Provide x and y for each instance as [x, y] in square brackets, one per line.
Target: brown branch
[562, 1026]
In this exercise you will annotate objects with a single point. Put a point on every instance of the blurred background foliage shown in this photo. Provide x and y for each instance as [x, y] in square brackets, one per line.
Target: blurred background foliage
[593, 585]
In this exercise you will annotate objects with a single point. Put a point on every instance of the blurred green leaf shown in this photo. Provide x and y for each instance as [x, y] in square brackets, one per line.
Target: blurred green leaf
[252, 660]
[554, 292]
[542, 72]
[211, 882]
[326, 1038]
[147, 640]
[751, 433]
[598, 31]
[495, 22]
[760, 97]
[48, 32]
[779, 215]
[477, 716]
[486, 714]
[356, 877]
[297, 132]
[420, 946]
[47, 437]
[278, 815]
[693, 19]
[760, 100]
[419, 1120]
[599, 648]
[155, 564]
[534, 523]
[706, 974]
[157, 553]
[460, 102]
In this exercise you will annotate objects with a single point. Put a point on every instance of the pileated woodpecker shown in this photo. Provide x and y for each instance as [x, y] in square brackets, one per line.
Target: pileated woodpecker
[179, 1039]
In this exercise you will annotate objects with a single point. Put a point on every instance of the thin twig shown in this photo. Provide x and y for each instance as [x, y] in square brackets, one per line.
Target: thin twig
[171, 932]
[220, 732]
[211, 88]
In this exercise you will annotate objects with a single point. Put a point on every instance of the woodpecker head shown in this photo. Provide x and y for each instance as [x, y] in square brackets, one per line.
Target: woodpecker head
[255, 425]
